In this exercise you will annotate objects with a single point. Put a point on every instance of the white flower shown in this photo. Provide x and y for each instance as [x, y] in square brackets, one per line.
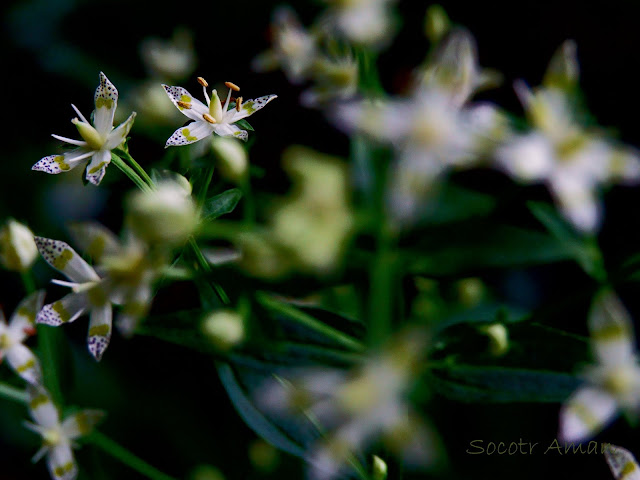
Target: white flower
[129, 267]
[572, 160]
[613, 384]
[622, 463]
[365, 22]
[213, 117]
[17, 248]
[174, 58]
[294, 48]
[97, 140]
[58, 436]
[90, 293]
[21, 325]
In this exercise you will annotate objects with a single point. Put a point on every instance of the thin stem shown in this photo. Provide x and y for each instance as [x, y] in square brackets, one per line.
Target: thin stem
[129, 172]
[381, 289]
[28, 281]
[308, 321]
[249, 210]
[202, 194]
[205, 267]
[125, 456]
[12, 393]
[136, 166]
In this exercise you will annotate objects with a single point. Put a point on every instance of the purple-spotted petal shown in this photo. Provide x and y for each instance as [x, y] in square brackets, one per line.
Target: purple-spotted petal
[190, 134]
[63, 258]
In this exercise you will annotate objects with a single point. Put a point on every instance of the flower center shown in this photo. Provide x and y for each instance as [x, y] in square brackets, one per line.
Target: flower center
[89, 134]
[216, 110]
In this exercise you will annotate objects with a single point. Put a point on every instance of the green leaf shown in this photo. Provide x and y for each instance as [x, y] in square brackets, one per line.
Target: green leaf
[455, 204]
[244, 125]
[252, 416]
[583, 250]
[221, 204]
[471, 246]
[490, 312]
[503, 385]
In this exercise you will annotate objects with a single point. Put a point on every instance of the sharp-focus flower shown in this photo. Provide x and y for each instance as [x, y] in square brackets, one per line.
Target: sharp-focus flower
[58, 436]
[622, 463]
[355, 409]
[364, 22]
[90, 294]
[212, 117]
[21, 325]
[613, 384]
[130, 267]
[17, 249]
[571, 159]
[294, 48]
[98, 139]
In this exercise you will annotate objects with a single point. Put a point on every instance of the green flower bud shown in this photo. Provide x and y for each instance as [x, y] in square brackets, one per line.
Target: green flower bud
[18, 250]
[232, 161]
[225, 328]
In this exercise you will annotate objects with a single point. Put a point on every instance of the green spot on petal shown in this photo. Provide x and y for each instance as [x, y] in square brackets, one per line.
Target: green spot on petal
[97, 168]
[62, 312]
[29, 314]
[61, 163]
[248, 107]
[97, 297]
[26, 366]
[104, 102]
[61, 262]
[62, 470]
[188, 136]
[99, 331]
[37, 401]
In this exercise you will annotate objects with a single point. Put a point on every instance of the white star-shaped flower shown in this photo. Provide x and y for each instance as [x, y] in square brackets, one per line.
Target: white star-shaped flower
[90, 294]
[97, 140]
[212, 117]
[58, 436]
[613, 384]
[12, 336]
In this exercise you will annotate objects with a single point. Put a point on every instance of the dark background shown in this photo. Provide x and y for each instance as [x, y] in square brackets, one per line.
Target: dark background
[170, 408]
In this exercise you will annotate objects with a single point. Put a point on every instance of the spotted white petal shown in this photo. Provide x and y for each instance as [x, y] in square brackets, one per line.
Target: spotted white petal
[98, 166]
[61, 463]
[250, 107]
[66, 310]
[55, 164]
[24, 363]
[622, 463]
[611, 330]
[81, 423]
[106, 100]
[99, 330]
[185, 102]
[586, 412]
[94, 239]
[41, 407]
[190, 134]
[22, 322]
[228, 130]
[63, 258]
[119, 134]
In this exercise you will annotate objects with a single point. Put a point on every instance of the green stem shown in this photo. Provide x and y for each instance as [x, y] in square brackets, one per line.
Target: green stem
[308, 321]
[136, 166]
[28, 281]
[125, 456]
[129, 172]
[249, 205]
[202, 194]
[381, 289]
[12, 393]
[203, 264]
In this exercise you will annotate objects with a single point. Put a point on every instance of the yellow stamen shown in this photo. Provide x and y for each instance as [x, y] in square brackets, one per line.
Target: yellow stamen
[208, 118]
[238, 103]
[232, 86]
[203, 82]
[184, 105]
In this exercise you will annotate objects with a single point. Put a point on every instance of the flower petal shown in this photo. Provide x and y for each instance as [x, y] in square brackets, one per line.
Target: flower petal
[94, 239]
[55, 164]
[179, 94]
[135, 307]
[249, 108]
[66, 310]
[61, 463]
[622, 463]
[585, 413]
[23, 320]
[41, 407]
[106, 99]
[98, 166]
[226, 130]
[576, 198]
[190, 134]
[99, 330]
[63, 258]
[25, 363]
[81, 423]
[611, 330]
[119, 135]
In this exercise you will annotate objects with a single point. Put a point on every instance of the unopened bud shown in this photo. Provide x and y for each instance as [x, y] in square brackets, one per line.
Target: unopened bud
[379, 468]
[498, 338]
[436, 23]
[231, 157]
[225, 328]
[18, 250]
